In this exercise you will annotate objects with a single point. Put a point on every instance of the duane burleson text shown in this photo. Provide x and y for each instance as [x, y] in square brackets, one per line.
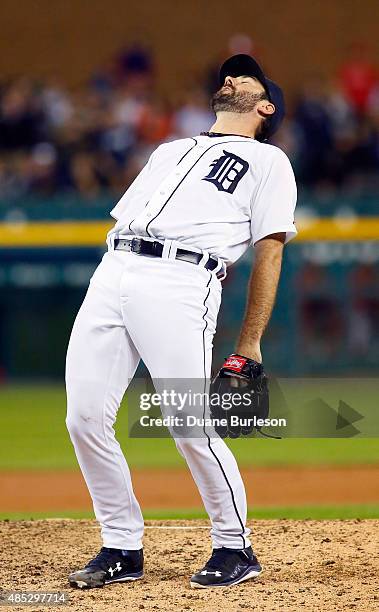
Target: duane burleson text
[192, 421]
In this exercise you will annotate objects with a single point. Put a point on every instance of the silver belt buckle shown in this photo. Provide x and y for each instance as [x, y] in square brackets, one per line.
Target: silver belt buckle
[136, 245]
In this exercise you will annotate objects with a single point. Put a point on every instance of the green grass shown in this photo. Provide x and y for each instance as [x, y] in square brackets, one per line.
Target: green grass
[369, 511]
[33, 436]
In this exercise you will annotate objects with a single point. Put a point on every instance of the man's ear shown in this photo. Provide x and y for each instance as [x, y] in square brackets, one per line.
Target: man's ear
[265, 108]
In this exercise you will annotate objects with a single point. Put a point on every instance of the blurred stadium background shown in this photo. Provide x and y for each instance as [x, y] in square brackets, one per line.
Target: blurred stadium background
[87, 90]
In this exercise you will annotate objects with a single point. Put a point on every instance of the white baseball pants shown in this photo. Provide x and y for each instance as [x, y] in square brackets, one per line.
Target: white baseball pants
[163, 311]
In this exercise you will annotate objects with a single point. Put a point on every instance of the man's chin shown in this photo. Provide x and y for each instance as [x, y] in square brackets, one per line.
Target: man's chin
[228, 108]
[223, 103]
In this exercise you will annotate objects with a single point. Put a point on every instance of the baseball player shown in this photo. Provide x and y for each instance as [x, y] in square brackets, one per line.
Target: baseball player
[192, 211]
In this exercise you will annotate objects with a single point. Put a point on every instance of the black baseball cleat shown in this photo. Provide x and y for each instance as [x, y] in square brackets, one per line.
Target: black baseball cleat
[227, 566]
[110, 565]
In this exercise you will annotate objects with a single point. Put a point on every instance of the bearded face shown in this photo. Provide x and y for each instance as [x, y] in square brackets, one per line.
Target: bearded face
[230, 100]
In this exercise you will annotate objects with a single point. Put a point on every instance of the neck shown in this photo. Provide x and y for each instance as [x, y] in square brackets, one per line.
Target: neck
[243, 124]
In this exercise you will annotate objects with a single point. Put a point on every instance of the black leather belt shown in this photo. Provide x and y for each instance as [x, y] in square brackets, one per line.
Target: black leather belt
[155, 249]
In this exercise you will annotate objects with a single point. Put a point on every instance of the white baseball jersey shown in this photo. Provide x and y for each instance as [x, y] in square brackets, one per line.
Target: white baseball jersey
[210, 193]
[214, 193]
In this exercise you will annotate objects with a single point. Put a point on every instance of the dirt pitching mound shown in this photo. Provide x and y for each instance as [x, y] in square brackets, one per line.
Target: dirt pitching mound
[309, 565]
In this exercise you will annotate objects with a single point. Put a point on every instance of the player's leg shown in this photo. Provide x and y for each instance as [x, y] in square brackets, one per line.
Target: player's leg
[173, 320]
[101, 360]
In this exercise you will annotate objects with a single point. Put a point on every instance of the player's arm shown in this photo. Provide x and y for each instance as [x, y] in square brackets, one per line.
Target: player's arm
[272, 225]
[262, 289]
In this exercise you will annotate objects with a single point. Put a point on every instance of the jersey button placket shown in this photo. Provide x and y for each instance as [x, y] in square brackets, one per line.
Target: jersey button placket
[163, 194]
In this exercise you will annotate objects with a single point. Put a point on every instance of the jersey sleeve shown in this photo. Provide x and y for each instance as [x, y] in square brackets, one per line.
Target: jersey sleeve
[132, 189]
[274, 200]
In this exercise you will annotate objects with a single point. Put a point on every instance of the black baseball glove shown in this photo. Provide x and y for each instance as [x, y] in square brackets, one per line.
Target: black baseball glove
[239, 396]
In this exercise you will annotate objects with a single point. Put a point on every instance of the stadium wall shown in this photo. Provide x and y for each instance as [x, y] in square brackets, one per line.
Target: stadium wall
[69, 39]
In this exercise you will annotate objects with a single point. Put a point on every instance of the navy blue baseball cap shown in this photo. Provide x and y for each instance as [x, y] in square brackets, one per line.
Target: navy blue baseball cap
[245, 65]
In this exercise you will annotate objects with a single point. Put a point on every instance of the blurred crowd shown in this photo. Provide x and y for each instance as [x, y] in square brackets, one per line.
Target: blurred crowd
[97, 139]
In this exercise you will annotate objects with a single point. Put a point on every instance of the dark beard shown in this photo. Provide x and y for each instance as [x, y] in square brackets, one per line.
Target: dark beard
[232, 101]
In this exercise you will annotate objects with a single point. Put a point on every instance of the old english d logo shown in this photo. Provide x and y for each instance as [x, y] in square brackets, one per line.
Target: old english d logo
[227, 172]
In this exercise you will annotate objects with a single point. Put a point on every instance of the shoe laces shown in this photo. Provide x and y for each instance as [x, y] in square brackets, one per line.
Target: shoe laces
[222, 557]
[103, 558]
